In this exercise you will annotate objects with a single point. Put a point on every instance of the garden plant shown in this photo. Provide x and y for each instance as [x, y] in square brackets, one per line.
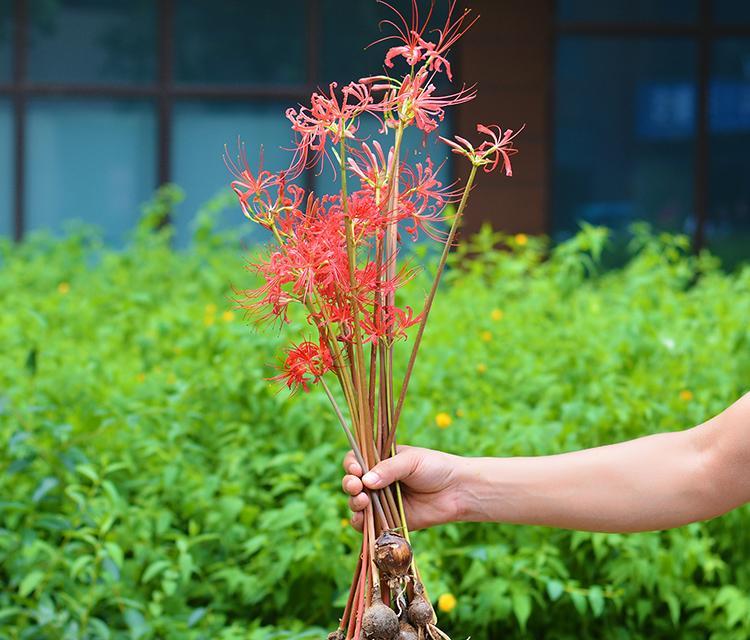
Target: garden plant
[155, 485]
[338, 257]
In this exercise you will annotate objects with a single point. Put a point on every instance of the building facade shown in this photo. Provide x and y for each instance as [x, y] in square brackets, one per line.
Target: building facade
[634, 109]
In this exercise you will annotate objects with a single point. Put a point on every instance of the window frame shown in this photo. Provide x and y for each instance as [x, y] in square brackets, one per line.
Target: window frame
[165, 92]
[705, 32]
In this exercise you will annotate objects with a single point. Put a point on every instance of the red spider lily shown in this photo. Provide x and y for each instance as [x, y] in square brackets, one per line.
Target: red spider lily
[311, 265]
[416, 102]
[271, 300]
[415, 48]
[390, 322]
[265, 198]
[410, 34]
[329, 118]
[305, 363]
[490, 153]
[371, 167]
[248, 187]
[423, 198]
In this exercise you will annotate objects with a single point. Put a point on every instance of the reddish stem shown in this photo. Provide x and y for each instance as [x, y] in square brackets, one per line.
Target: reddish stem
[360, 596]
[352, 594]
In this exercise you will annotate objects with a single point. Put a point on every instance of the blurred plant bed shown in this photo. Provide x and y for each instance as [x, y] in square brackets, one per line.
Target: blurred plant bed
[149, 492]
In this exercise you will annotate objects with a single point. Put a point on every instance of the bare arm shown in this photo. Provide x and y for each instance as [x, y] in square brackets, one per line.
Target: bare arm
[656, 482]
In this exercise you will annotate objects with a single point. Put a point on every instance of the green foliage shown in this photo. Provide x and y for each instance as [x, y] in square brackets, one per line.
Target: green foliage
[155, 485]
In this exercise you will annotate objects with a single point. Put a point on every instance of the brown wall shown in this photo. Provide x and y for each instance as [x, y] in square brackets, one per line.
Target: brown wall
[507, 53]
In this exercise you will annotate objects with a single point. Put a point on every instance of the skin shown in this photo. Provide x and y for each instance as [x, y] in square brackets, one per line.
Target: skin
[651, 483]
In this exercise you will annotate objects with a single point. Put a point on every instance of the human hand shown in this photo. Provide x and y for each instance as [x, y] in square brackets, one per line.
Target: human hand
[430, 485]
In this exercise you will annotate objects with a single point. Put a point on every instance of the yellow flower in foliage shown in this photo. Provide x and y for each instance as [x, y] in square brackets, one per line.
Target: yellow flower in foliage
[486, 336]
[63, 288]
[227, 316]
[447, 602]
[209, 320]
[521, 239]
[210, 309]
[344, 523]
[481, 368]
[443, 420]
[686, 395]
[497, 315]
[141, 377]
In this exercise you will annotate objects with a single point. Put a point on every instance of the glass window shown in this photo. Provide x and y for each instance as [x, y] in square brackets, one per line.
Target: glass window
[236, 42]
[92, 160]
[624, 132]
[201, 129]
[6, 44]
[728, 228]
[629, 11]
[92, 41]
[731, 12]
[6, 173]
[362, 30]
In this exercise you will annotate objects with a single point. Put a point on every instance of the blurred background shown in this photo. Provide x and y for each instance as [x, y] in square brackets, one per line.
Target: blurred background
[633, 110]
[154, 485]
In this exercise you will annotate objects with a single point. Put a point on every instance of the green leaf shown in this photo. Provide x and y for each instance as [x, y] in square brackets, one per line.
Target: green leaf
[30, 583]
[596, 600]
[196, 616]
[115, 552]
[673, 603]
[579, 602]
[555, 589]
[521, 606]
[45, 486]
[79, 564]
[88, 471]
[136, 623]
[154, 569]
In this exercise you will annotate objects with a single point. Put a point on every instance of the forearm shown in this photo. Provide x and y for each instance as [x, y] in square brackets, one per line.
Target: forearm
[656, 482]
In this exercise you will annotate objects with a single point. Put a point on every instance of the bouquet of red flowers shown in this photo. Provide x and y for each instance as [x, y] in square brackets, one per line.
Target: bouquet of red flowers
[338, 257]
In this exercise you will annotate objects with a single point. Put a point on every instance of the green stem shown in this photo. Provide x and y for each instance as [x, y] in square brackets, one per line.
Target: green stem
[428, 304]
[401, 511]
[351, 258]
[357, 453]
[349, 436]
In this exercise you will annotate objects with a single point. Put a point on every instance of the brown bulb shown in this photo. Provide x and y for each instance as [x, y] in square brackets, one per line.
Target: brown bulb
[380, 622]
[336, 635]
[407, 632]
[420, 611]
[393, 554]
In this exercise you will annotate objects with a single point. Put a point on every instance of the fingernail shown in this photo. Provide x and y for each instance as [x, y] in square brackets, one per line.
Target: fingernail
[371, 479]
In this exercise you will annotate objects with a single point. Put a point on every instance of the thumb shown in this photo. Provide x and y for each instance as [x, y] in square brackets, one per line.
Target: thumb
[400, 466]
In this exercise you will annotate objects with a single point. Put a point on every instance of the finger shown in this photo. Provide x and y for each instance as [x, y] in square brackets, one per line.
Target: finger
[357, 521]
[403, 464]
[359, 502]
[352, 485]
[351, 465]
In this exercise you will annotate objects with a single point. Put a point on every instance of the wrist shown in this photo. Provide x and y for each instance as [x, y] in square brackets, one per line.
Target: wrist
[472, 490]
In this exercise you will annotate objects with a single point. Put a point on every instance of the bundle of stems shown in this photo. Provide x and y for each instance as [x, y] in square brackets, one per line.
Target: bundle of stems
[338, 257]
